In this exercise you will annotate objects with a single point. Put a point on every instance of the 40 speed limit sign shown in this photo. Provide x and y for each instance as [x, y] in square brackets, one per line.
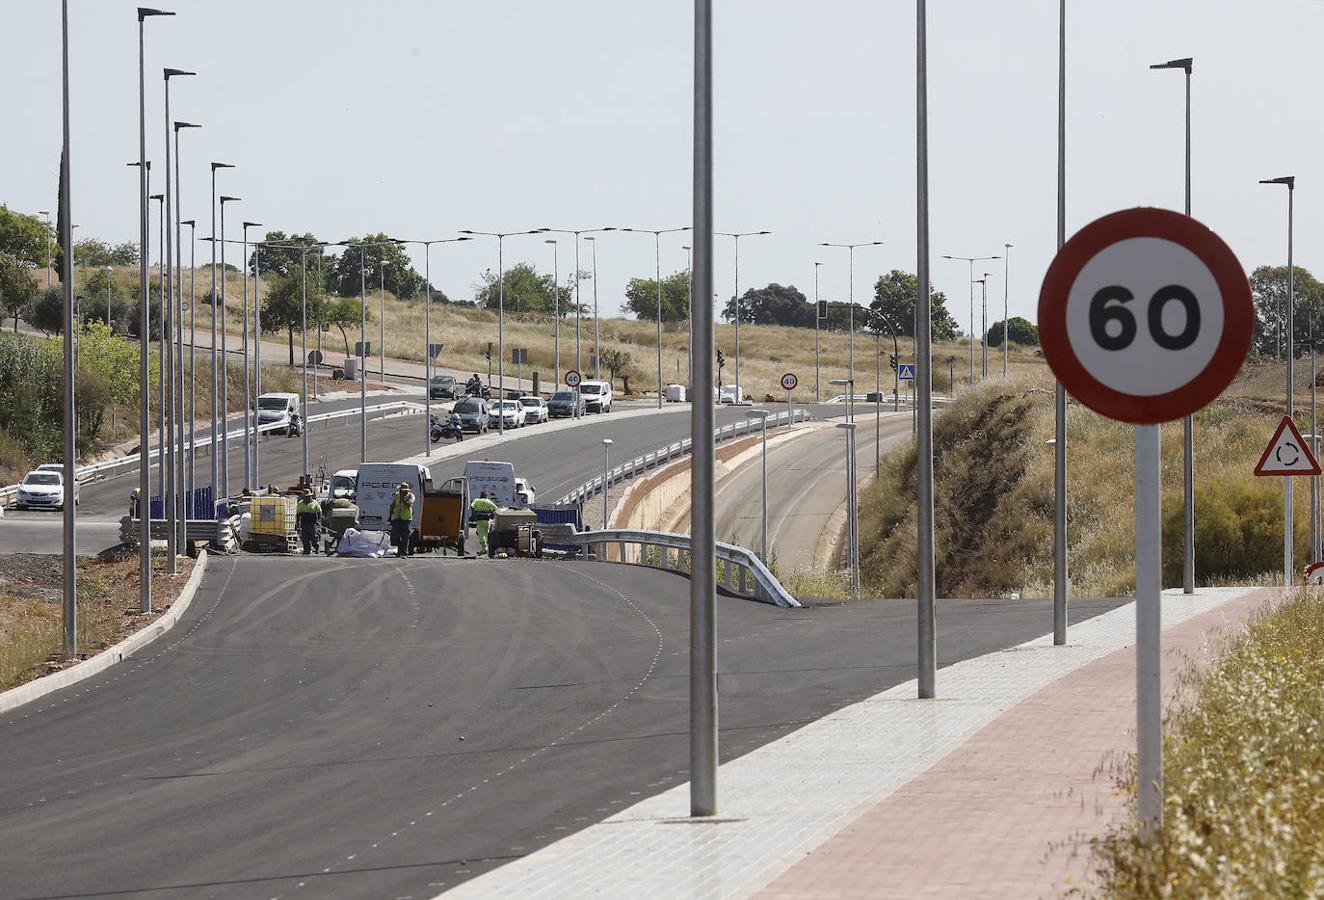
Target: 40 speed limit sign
[1145, 315]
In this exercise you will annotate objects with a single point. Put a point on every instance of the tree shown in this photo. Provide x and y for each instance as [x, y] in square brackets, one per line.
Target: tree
[1022, 331]
[641, 297]
[46, 313]
[895, 295]
[283, 260]
[25, 237]
[616, 361]
[344, 313]
[1268, 286]
[92, 252]
[772, 305]
[282, 307]
[17, 289]
[401, 279]
[526, 291]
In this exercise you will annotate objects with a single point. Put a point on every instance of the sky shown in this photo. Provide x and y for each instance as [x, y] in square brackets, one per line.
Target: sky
[422, 117]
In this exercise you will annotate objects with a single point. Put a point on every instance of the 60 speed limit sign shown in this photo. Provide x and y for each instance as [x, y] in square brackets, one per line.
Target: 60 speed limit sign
[1145, 315]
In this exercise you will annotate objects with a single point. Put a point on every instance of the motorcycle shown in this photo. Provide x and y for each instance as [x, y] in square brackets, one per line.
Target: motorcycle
[478, 390]
[447, 429]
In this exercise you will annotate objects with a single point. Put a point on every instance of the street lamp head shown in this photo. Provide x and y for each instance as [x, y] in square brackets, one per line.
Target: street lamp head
[170, 73]
[769, 232]
[189, 222]
[1008, 246]
[589, 238]
[607, 442]
[179, 125]
[145, 11]
[225, 199]
[1183, 64]
[1289, 180]
[550, 241]
[217, 165]
[252, 224]
[156, 197]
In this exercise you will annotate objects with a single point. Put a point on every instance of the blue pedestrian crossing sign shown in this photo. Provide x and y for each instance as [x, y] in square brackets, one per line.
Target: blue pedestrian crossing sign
[906, 372]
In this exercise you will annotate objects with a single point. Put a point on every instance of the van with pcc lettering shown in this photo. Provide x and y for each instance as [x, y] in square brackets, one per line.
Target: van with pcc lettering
[498, 479]
[376, 486]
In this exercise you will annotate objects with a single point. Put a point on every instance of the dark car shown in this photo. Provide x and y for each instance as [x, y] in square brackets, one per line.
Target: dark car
[442, 387]
[563, 403]
[473, 414]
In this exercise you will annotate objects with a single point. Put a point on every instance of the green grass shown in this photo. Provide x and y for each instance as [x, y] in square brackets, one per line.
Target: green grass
[1243, 771]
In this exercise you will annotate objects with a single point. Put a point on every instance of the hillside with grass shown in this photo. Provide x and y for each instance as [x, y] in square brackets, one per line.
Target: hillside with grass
[993, 476]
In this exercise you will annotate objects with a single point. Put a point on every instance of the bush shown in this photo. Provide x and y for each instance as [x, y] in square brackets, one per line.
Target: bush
[1238, 530]
[1243, 774]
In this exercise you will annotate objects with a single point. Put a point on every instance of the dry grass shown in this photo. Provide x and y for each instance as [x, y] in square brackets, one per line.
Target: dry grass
[994, 499]
[31, 609]
[767, 351]
[1243, 773]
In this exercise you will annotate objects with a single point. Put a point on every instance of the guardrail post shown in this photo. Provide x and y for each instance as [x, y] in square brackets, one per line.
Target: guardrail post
[740, 574]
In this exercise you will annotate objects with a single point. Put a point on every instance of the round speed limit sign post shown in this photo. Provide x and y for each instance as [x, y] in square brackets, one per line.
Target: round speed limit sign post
[1145, 316]
[789, 382]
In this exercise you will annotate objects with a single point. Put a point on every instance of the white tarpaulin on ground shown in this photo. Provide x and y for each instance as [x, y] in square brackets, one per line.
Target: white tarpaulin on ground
[364, 544]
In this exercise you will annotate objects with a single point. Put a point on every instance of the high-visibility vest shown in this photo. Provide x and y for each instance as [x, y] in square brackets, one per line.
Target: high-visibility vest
[308, 506]
[401, 511]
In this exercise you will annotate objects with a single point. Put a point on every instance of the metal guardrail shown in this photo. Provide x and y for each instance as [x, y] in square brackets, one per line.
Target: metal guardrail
[740, 571]
[675, 451]
[106, 468]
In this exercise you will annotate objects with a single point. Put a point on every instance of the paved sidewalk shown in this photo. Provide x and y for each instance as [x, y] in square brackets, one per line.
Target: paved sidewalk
[893, 796]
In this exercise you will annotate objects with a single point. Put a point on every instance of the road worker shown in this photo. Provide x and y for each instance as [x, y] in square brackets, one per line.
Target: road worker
[481, 512]
[308, 516]
[402, 519]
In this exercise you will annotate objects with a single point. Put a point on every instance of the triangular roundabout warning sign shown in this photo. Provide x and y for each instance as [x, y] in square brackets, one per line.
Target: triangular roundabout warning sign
[1287, 453]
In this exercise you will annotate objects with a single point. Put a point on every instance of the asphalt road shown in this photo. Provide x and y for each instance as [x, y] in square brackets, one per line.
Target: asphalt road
[806, 486]
[555, 462]
[375, 728]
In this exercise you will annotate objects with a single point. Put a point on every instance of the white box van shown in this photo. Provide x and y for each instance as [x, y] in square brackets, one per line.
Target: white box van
[375, 487]
[281, 411]
[597, 396]
[499, 481]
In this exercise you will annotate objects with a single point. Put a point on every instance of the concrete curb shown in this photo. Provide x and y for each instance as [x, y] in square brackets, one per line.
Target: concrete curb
[40, 687]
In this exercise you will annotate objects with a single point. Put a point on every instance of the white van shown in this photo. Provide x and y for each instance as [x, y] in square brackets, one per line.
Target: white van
[499, 481]
[375, 487]
[597, 396]
[281, 411]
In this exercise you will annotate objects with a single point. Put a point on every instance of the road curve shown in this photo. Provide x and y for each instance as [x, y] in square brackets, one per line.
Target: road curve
[374, 728]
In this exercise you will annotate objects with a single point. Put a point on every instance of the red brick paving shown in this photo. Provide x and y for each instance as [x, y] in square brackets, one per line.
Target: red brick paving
[1005, 814]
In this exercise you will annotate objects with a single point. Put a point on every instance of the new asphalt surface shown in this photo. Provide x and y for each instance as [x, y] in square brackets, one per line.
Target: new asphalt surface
[384, 728]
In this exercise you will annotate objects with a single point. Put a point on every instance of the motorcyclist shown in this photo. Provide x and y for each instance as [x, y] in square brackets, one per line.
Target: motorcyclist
[455, 425]
[474, 385]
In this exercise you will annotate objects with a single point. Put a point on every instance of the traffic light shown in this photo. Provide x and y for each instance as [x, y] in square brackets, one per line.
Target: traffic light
[721, 360]
[891, 361]
[488, 354]
[822, 309]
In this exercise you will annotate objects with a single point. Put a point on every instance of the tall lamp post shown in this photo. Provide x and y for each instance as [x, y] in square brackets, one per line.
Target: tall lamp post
[225, 362]
[191, 381]
[70, 513]
[852, 514]
[850, 280]
[217, 315]
[160, 348]
[556, 310]
[689, 320]
[1188, 423]
[983, 334]
[1006, 334]
[597, 322]
[501, 308]
[579, 364]
[971, 260]
[606, 468]
[818, 324]
[180, 493]
[735, 238]
[427, 334]
[657, 268]
[1290, 182]
[249, 437]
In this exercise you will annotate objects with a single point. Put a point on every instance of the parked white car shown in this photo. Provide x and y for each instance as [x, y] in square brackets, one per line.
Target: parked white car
[729, 394]
[43, 489]
[508, 413]
[525, 492]
[535, 410]
[597, 396]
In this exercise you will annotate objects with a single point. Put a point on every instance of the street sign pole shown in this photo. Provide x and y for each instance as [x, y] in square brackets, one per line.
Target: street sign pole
[1146, 316]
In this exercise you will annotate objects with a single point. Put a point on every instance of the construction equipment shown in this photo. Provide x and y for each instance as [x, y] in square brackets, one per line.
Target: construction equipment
[516, 532]
[445, 517]
[272, 526]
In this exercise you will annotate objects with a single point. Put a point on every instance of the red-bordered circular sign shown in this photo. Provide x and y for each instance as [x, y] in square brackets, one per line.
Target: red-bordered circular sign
[789, 381]
[1145, 315]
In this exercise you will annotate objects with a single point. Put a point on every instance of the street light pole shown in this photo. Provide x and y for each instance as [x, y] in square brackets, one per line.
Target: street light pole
[192, 369]
[250, 439]
[983, 336]
[597, 323]
[161, 349]
[927, 662]
[1188, 423]
[850, 280]
[1006, 333]
[180, 494]
[216, 315]
[606, 467]
[657, 266]
[689, 321]
[1288, 565]
[70, 507]
[556, 310]
[257, 361]
[225, 365]
[817, 327]
[971, 260]
[735, 237]
[703, 566]
[852, 513]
